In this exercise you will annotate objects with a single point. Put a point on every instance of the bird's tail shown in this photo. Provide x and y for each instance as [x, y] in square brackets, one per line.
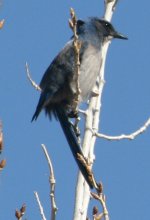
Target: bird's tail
[73, 143]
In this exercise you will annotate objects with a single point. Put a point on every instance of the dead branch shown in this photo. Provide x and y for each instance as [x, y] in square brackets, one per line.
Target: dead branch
[2, 23]
[1, 138]
[102, 199]
[40, 206]
[20, 213]
[52, 184]
[30, 79]
[77, 46]
[125, 136]
[2, 164]
[92, 120]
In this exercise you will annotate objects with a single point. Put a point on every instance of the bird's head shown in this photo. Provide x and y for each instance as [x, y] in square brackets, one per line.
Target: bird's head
[99, 27]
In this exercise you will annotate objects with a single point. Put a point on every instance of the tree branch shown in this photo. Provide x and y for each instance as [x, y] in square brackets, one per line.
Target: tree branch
[2, 23]
[102, 199]
[76, 46]
[30, 79]
[1, 137]
[52, 184]
[125, 136]
[20, 213]
[92, 120]
[40, 206]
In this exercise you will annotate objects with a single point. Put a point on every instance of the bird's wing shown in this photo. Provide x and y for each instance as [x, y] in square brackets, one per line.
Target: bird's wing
[60, 68]
[45, 97]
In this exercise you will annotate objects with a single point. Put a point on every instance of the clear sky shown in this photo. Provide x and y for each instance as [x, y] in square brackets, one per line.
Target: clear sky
[35, 31]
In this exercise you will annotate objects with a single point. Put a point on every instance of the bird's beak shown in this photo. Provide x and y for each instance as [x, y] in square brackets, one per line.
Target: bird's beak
[119, 36]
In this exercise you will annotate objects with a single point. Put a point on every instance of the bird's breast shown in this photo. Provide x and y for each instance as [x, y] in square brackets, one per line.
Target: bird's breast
[89, 70]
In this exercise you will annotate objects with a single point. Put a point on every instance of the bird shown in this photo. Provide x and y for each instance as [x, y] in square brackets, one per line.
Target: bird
[58, 84]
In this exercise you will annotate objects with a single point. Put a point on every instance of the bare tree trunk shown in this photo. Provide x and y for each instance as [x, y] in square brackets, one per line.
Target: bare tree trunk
[92, 123]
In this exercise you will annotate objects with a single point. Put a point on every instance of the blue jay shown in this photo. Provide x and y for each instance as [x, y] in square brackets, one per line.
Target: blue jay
[58, 84]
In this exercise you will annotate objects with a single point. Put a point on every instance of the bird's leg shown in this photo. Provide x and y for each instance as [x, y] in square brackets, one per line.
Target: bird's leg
[75, 115]
[76, 127]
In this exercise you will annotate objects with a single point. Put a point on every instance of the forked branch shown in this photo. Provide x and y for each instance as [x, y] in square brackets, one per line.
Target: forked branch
[52, 182]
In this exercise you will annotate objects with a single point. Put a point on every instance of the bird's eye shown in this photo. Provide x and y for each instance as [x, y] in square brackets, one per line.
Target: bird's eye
[107, 25]
[80, 23]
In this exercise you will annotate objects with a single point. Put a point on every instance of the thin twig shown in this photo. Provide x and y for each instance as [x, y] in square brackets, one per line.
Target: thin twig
[124, 136]
[77, 47]
[96, 214]
[30, 79]
[105, 211]
[40, 206]
[82, 112]
[104, 214]
[88, 169]
[52, 184]
[102, 199]
[1, 137]
[20, 213]
[2, 164]
[2, 23]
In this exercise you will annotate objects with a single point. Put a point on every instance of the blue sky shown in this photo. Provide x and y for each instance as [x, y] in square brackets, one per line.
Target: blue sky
[35, 31]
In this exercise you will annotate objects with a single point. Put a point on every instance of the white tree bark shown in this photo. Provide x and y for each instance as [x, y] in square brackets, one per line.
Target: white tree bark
[92, 122]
